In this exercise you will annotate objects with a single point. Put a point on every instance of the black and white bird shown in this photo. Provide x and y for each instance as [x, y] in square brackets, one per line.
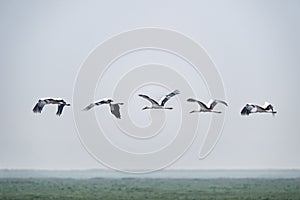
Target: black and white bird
[114, 107]
[48, 100]
[252, 108]
[207, 108]
[161, 103]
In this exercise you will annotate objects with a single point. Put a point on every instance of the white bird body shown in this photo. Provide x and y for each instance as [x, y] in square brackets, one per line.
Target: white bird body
[155, 106]
[254, 109]
[207, 108]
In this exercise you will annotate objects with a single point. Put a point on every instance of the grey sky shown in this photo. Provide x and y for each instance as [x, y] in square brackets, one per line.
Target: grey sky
[254, 44]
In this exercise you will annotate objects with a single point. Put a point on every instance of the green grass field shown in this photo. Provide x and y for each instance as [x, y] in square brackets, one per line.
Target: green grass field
[131, 188]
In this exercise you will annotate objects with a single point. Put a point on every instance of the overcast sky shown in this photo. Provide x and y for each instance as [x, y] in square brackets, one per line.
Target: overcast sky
[254, 44]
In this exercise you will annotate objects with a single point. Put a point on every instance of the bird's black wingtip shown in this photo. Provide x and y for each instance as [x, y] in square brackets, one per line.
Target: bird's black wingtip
[36, 109]
[190, 100]
[58, 113]
[244, 114]
[244, 111]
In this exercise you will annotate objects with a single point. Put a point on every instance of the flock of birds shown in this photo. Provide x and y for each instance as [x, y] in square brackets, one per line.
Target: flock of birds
[115, 107]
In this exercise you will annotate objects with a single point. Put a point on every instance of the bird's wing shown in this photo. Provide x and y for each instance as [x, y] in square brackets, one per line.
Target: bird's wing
[164, 100]
[259, 108]
[95, 104]
[213, 103]
[115, 110]
[60, 108]
[266, 104]
[39, 106]
[269, 107]
[201, 104]
[247, 110]
[58, 101]
[149, 99]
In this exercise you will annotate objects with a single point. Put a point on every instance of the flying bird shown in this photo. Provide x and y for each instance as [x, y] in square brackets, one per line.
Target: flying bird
[161, 103]
[207, 108]
[44, 101]
[252, 108]
[114, 107]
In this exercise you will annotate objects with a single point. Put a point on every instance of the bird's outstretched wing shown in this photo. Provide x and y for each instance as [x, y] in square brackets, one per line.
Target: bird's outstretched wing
[89, 107]
[214, 102]
[60, 108]
[115, 110]
[96, 104]
[201, 104]
[247, 110]
[271, 108]
[39, 106]
[168, 96]
[153, 102]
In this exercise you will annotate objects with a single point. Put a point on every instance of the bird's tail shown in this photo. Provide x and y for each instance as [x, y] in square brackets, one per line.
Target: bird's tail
[120, 103]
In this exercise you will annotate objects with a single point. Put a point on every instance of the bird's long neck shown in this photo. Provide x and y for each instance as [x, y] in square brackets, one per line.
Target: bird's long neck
[194, 111]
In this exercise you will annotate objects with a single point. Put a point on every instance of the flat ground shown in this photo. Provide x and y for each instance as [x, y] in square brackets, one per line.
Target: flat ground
[131, 188]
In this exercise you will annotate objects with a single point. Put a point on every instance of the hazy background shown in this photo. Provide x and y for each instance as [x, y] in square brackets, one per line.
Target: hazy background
[254, 44]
